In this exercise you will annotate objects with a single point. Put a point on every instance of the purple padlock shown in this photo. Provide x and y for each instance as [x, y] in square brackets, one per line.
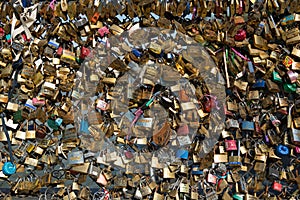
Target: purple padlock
[293, 76]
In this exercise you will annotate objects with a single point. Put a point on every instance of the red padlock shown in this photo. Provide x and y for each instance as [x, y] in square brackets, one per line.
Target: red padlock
[240, 35]
[277, 186]
[25, 38]
[2, 32]
[84, 52]
[209, 103]
[95, 17]
[128, 154]
[59, 51]
[257, 128]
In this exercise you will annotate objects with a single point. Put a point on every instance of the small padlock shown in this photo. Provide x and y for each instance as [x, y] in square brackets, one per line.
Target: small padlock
[230, 145]
[211, 178]
[277, 186]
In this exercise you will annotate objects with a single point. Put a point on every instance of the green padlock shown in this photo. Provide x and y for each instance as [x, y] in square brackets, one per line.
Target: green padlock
[18, 116]
[51, 123]
[289, 88]
[276, 77]
[238, 196]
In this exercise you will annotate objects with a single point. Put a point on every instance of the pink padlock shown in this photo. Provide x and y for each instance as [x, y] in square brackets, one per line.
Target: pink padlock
[211, 178]
[37, 102]
[293, 76]
[102, 105]
[230, 145]
[297, 149]
[101, 180]
[102, 31]
[128, 154]
[183, 130]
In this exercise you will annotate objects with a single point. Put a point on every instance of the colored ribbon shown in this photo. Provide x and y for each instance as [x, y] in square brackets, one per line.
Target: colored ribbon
[239, 54]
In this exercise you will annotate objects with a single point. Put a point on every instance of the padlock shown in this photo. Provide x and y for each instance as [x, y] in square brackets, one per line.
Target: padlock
[75, 157]
[242, 185]
[276, 186]
[293, 76]
[235, 160]
[248, 126]
[184, 188]
[145, 189]
[158, 196]
[120, 182]
[273, 173]
[84, 126]
[31, 161]
[211, 195]
[259, 166]
[273, 138]
[232, 124]
[84, 193]
[230, 145]
[232, 106]
[211, 178]
[182, 153]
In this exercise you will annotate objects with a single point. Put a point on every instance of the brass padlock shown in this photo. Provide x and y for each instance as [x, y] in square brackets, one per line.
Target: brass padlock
[273, 87]
[120, 182]
[158, 196]
[235, 160]
[75, 157]
[259, 166]
[145, 189]
[184, 188]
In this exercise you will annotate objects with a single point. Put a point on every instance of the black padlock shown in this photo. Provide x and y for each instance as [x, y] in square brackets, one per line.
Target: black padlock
[273, 173]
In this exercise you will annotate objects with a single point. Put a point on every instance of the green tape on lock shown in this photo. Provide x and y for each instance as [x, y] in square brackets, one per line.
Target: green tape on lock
[289, 88]
[149, 102]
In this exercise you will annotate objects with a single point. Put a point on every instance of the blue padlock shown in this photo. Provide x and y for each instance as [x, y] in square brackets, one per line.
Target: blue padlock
[282, 150]
[9, 168]
[250, 67]
[137, 53]
[8, 36]
[84, 126]
[58, 121]
[247, 126]
[26, 3]
[196, 171]
[182, 153]
[259, 84]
